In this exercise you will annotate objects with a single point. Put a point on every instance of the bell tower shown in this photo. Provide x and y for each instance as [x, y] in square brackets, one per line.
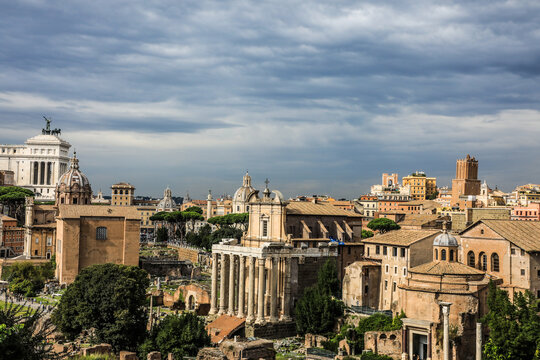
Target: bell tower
[466, 181]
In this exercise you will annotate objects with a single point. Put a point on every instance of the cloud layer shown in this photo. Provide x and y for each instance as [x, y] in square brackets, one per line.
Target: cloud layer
[320, 98]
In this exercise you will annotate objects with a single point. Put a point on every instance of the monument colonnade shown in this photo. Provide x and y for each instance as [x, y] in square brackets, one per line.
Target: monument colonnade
[253, 283]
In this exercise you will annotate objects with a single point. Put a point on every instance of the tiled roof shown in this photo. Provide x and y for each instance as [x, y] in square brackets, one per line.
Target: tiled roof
[310, 208]
[445, 268]
[7, 218]
[525, 234]
[400, 237]
[77, 211]
[428, 204]
[223, 327]
[418, 219]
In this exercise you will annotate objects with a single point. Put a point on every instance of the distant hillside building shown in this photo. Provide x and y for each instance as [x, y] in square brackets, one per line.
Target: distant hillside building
[38, 164]
[422, 187]
[122, 194]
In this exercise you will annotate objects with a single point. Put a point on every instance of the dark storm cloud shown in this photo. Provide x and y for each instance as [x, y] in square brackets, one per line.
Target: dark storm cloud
[322, 96]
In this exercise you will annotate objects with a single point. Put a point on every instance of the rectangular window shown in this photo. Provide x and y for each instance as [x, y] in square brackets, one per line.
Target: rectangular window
[395, 269]
[404, 271]
[522, 252]
[394, 286]
[384, 250]
[37, 240]
[402, 252]
[368, 251]
[377, 249]
[513, 251]
[385, 284]
[394, 251]
[265, 228]
[49, 241]
[101, 233]
[386, 269]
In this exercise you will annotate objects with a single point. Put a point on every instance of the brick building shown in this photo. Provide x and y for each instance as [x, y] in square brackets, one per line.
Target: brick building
[466, 182]
[11, 237]
[527, 213]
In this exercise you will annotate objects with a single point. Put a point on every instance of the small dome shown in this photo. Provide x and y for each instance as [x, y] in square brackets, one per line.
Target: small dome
[167, 203]
[74, 177]
[243, 192]
[445, 239]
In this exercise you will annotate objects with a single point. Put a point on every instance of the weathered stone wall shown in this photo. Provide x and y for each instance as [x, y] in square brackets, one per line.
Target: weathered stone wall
[97, 349]
[252, 350]
[187, 253]
[384, 343]
[170, 268]
[210, 353]
[271, 331]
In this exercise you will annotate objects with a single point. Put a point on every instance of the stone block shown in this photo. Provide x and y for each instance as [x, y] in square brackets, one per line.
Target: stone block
[97, 349]
[154, 355]
[128, 355]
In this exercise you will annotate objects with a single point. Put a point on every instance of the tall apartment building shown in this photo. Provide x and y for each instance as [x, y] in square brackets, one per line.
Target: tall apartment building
[122, 194]
[421, 186]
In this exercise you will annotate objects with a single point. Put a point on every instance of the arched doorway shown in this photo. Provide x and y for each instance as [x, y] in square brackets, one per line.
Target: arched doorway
[191, 302]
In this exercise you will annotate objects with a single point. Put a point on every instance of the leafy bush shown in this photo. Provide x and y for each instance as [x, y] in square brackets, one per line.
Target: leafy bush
[26, 279]
[367, 234]
[373, 356]
[383, 225]
[181, 335]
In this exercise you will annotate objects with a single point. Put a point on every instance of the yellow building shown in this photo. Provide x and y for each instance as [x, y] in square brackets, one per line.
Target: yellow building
[421, 185]
[122, 194]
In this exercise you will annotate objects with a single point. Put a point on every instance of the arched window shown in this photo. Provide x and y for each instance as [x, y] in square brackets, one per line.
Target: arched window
[436, 254]
[451, 255]
[495, 262]
[443, 254]
[470, 259]
[482, 259]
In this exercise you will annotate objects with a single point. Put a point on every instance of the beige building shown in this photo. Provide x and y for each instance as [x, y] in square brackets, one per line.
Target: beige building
[509, 250]
[421, 187]
[361, 284]
[463, 219]
[95, 234]
[440, 295]
[122, 194]
[398, 251]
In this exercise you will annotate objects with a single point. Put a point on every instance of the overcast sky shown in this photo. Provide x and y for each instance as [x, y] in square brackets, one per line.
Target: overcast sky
[321, 99]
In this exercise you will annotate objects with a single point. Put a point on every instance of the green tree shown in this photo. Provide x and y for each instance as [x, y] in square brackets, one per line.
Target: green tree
[26, 279]
[238, 220]
[327, 279]
[162, 235]
[24, 333]
[196, 209]
[109, 298]
[182, 335]
[317, 310]
[367, 234]
[514, 328]
[382, 225]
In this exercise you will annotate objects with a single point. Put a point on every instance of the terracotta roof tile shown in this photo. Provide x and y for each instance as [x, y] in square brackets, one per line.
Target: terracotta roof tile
[223, 327]
[309, 208]
[445, 268]
[525, 234]
[400, 237]
[77, 211]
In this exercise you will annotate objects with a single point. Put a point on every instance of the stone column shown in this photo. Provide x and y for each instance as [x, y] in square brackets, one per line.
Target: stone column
[260, 295]
[213, 300]
[273, 291]
[241, 285]
[286, 304]
[223, 282]
[231, 285]
[446, 329]
[251, 290]
[478, 341]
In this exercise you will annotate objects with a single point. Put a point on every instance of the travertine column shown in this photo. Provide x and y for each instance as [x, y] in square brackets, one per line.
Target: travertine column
[232, 285]
[213, 300]
[273, 291]
[251, 290]
[260, 295]
[446, 329]
[286, 304]
[223, 283]
[478, 341]
[241, 285]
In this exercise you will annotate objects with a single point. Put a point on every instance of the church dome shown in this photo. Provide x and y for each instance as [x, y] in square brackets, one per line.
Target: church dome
[243, 192]
[445, 239]
[167, 203]
[73, 186]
